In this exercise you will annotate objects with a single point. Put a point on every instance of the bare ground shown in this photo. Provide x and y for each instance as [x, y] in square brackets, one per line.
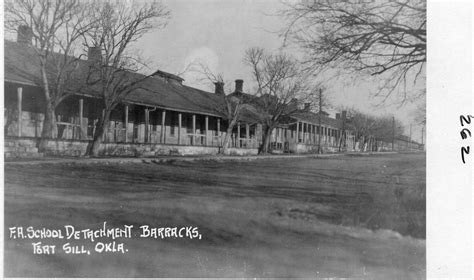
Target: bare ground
[335, 217]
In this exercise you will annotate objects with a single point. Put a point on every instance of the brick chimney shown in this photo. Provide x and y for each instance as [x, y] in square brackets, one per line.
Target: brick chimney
[344, 115]
[24, 35]
[219, 88]
[307, 106]
[239, 85]
[338, 116]
[94, 55]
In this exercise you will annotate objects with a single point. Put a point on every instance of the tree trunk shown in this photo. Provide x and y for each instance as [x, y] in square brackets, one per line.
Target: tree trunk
[50, 128]
[99, 133]
[225, 145]
[10, 115]
[267, 131]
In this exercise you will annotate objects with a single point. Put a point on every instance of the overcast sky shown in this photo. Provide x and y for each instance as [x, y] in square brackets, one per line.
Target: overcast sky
[218, 33]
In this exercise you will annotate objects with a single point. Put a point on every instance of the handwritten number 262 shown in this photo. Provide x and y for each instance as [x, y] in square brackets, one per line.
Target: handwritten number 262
[464, 132]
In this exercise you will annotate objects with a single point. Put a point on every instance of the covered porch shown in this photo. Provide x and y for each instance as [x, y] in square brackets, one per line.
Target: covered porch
[130, 123]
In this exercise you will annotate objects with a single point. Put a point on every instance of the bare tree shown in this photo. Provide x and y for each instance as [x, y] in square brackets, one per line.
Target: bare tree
[383, 38]
[55, 28]
[280, 85]
[231, 105]
[368, 128]
[114, 72]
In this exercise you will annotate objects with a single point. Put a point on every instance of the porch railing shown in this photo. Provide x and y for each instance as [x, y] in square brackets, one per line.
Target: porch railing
[72, 131]
[68, 130]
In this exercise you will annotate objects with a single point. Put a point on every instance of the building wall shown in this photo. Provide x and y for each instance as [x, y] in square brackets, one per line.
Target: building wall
[305, 138]
[55, 147]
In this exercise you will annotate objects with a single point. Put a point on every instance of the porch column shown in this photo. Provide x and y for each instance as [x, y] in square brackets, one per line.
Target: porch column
[105, 128]
[179, 128]
[305, 129]
[314, 134]
[247, 135]
[307, 134]
[147, 125]
[163, 128]
[297, 132]
[238, 135]
[310, 134]
[81, 115]
[206, 122]
[20, 95]
[327, 132]
[219, 132]
[126, 123]
[194, 131]
[321, 130]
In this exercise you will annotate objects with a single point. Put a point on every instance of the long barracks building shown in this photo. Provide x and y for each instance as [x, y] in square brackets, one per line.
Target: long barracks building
[162, 117]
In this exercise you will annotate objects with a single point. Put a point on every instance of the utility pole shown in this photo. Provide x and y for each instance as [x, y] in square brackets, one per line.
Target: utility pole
[393, 133]
[319, 119]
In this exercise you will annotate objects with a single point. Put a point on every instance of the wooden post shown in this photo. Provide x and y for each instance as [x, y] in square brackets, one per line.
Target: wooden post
[308, 137]
[206, 119]
[238, 135]
[393, 133]
[163, 128]
[81, 115]
[323, 134]
[247, 135]
[179, 128]
[305, 131]
[219, 132]
[321, 130]
[310, 134]
[126, 123]
[315, 134]
[193, 138]
[297, 132]
[20, 97]
[105, 129]
[147, 125]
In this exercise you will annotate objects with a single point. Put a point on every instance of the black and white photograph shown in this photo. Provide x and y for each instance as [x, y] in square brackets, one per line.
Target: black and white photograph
[213, 138]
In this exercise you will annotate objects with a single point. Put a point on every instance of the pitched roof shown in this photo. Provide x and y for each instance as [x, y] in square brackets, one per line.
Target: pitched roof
[313, 118]
[22, 66]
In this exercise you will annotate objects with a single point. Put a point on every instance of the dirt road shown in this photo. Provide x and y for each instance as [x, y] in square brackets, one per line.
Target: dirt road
[334, 217]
